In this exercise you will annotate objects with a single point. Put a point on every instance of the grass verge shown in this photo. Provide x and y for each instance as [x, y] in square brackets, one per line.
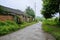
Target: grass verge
[54, 30]
[10, 26]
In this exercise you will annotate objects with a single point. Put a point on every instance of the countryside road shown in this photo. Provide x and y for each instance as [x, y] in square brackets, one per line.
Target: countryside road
[33, 32]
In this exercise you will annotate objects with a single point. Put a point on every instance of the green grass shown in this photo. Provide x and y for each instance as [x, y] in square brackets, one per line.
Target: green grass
[52, 28]
[26, 24]
[10, 26]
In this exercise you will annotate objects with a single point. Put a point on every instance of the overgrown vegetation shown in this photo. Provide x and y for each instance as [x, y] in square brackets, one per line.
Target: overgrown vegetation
[10, 26]
[51, 26]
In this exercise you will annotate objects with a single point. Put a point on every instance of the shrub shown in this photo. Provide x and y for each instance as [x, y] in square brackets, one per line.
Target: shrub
[2, 23]
[7, 27]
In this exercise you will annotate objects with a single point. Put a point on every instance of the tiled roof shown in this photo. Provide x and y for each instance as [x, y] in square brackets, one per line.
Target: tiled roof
[13, 11]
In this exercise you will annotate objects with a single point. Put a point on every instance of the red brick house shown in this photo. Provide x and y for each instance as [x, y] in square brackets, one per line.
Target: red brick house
[13, 15]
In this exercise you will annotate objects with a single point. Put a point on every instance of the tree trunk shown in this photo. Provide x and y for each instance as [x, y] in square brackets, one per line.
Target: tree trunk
[59, 12]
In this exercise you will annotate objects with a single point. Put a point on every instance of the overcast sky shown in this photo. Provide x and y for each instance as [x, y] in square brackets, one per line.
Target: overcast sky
[23, 4]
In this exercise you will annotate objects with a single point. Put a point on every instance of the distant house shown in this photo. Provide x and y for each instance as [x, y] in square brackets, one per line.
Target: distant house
[13, 15]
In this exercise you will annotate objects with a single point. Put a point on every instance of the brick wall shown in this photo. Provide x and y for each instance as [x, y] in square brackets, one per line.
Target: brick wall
[6, 17]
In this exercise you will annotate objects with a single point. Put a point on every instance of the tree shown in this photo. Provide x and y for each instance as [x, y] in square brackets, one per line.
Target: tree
[30, 12]
[50, 7]
[46, 14]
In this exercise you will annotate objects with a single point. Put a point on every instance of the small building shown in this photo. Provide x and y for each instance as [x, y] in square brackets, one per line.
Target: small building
[18, 16]
[12, 14]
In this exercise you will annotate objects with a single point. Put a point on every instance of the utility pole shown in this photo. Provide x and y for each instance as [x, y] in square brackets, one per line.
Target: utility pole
[35, 6]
